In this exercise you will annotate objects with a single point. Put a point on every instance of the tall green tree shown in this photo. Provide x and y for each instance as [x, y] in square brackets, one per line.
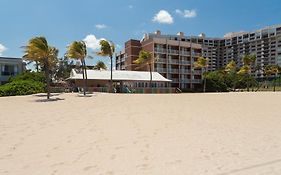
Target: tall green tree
[145, 58]
[272, 70]
[202, 63]
[100, 65]
[108, 49]
[78, 50]
[231, 71]
[39, 51]
[246, 69]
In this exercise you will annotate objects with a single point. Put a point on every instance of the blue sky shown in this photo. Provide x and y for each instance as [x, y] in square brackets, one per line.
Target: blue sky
[63, 21]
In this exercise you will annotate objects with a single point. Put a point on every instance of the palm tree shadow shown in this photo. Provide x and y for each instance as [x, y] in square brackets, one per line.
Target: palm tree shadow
[251, 167]
[49, 100]
[45, 95]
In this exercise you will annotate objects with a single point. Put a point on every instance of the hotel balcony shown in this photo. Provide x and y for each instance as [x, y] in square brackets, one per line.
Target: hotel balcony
[161, 60]
[196, 81]
[173, 71]
[185, 71]
[172, 51]
[185, 80]
[185, 53]
[174, 80]
[197, 72]
[172, 61]
[161, 70]
[160, 50]
[185, 62]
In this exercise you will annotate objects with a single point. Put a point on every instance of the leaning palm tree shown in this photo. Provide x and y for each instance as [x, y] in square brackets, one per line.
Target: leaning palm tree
[39, 51]
[107, 49]
[145, 58]
[202, 63]
[78, 50]
[100, 65]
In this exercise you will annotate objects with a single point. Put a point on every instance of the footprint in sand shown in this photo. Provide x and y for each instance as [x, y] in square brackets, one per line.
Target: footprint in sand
[112, 157]
[89, 167]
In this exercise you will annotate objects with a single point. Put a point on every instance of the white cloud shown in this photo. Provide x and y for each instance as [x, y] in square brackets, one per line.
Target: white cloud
[187, 13]
[92, 42]
[163, 17]
[2, 49]
[101, 26]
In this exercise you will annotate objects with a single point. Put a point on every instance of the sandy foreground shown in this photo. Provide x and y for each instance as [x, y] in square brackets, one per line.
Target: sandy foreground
[119, 134]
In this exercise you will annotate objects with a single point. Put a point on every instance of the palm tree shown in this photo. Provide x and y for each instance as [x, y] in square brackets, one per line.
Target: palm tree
[248, 61]
[202, 63]
[145, 58]
[78, 50]
[100, 65]
[107, 49]
[272, 70]
[231, 69]
[39, 51]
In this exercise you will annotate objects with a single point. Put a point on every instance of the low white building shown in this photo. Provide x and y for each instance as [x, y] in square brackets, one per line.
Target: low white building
[121, 78]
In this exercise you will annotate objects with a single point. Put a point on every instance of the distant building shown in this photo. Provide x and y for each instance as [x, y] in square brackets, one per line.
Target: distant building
[175, 58]
[10, 67]
[177, 53]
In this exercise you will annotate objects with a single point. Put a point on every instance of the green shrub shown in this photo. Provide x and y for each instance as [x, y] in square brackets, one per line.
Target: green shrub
[22, 87]
[30, 76]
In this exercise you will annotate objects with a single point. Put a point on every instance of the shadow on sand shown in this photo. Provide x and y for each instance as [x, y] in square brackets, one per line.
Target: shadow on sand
[49, 100]
[45, 95]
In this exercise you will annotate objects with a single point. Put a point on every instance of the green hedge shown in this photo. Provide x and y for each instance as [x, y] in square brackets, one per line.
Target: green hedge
[22, 87]
[24, 84]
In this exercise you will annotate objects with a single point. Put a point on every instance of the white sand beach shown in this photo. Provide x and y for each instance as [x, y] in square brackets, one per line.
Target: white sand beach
[125, 134]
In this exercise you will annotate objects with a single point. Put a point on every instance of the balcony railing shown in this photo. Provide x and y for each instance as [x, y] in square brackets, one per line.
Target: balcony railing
[185, 62]
[197, 72]
[173, 70]
[197, 81]
[175, 80]
[161, 60]
[161, 70]
[185, 53]
[185, 80]
[160, 50]
[172, 51]
[174, 61]
[185, 71]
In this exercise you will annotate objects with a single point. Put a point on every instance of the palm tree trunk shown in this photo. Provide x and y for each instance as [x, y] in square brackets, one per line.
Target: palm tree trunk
[111, 82]
[47, 75]
[37, 66]
[86, 75]
[84, 82]
[248, 88]
[150, 77]
[204, 84]
[274, 83]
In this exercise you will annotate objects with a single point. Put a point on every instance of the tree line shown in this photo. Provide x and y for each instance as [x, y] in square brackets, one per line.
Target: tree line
[46, 58]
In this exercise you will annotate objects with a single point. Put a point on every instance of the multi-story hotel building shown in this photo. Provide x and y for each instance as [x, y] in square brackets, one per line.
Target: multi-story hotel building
[10, 67]
[176, 53]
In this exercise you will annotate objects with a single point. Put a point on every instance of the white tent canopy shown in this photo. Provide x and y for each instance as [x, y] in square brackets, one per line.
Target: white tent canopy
[118, 75]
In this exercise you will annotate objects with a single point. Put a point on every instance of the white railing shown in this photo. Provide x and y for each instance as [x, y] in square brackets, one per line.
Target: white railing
[173, 70]
[160, 50]
[174, 61]
[172, 51]
[185, 62]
